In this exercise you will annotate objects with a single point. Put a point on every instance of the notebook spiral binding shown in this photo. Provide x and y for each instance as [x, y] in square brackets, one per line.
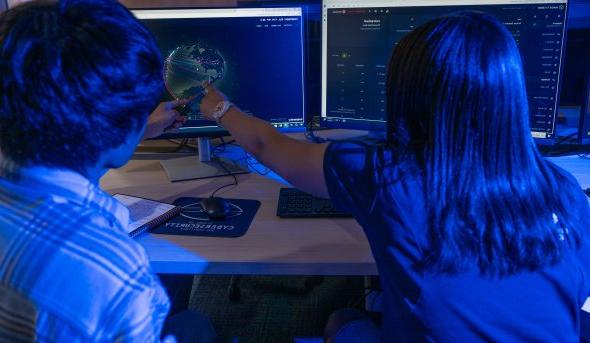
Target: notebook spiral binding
[155, 222]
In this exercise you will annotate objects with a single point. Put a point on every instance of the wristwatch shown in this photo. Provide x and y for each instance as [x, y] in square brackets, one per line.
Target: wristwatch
[220, 110]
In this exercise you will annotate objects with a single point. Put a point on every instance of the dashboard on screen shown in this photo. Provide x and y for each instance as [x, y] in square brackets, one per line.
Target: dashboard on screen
[359, 36]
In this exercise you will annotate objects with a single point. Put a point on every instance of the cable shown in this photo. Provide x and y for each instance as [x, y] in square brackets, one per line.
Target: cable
[194, 144]
[252, 164]
[565, 150]
[564, 146]
[367, 291]
[229, 173]
[220, 148]
[310, 134]
[181, 144]
[564, 139]
[176, 141]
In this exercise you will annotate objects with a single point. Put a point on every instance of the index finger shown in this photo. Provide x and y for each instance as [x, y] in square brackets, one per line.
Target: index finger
[179, 102]
[207, 85]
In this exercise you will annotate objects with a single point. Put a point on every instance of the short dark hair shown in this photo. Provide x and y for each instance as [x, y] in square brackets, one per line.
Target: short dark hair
[457, 102]
[76, 78]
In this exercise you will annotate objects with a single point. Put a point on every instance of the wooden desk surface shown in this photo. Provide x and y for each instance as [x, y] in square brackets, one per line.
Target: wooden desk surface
[272, 246]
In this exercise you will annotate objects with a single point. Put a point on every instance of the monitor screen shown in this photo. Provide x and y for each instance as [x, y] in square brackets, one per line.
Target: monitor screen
[358, 37]
[254, 55]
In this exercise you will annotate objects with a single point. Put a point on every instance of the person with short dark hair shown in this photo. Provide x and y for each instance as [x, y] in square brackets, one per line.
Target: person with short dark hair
[476, 236]
[78, 79]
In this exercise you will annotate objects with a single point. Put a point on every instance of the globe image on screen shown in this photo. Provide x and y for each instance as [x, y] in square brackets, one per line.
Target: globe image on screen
[188, 66]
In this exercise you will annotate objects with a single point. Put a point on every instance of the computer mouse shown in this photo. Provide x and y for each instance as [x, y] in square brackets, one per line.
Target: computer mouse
[215, 208]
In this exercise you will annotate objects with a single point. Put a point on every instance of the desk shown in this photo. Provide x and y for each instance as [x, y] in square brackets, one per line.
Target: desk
[272, 246]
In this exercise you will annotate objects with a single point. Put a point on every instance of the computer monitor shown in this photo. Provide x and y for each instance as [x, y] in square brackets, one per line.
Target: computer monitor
[584, 131]
[254, 55]
[576, 63]
[358, 37]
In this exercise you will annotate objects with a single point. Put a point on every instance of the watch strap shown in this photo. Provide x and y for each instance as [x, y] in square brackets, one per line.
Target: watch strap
[220, 110]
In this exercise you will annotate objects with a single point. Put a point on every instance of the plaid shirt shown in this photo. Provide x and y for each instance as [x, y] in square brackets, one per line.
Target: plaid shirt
[68, 270]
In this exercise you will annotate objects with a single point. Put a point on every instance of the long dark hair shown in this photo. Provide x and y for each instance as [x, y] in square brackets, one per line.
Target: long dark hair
[457, 103]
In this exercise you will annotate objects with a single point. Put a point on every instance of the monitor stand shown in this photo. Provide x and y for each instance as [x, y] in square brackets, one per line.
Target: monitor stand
[202, 166]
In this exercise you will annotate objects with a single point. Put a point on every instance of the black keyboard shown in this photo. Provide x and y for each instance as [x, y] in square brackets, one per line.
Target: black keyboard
[294, 203]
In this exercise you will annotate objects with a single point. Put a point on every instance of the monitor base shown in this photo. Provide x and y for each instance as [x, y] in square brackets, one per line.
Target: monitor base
[191, 168]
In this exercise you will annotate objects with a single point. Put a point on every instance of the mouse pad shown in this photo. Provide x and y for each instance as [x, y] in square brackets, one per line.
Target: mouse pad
[193, 221]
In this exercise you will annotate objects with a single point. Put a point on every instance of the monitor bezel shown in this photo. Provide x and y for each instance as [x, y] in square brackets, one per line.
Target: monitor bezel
[584, 139]
[217, 131]
[325, 122]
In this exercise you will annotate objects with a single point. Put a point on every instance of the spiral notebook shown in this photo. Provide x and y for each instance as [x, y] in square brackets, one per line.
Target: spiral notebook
[146, 214]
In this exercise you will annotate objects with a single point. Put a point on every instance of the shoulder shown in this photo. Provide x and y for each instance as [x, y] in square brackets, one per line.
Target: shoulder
[360, 176]
[74, 235]
[99, 234]
[573, 211]
[81, 269]
[567, 186]
[371, 160]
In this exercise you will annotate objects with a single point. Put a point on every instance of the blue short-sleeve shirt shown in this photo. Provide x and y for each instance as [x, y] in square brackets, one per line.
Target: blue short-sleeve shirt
[386, 196]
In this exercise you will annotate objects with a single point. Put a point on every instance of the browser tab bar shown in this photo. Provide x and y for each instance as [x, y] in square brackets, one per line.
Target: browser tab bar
[219, 13]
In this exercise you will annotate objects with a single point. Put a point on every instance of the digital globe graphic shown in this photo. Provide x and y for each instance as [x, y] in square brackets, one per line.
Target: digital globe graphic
[188, 66]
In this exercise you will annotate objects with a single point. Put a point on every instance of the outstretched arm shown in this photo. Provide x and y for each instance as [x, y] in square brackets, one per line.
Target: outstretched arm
[299, 162]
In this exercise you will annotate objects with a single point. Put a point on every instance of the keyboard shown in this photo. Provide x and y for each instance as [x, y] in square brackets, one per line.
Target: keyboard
[294, 203]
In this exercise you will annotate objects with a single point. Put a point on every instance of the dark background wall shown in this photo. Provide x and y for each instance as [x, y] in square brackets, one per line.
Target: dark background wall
[577, 56]
[577, 60]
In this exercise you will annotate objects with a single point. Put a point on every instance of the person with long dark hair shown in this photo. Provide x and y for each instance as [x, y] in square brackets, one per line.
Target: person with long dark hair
[476, 236]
